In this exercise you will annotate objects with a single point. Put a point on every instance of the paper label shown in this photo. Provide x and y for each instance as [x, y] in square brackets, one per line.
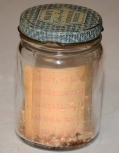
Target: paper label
[63, 16]
[54, 101]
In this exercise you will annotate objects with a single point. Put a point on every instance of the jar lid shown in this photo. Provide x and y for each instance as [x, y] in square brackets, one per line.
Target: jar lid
[62, 23]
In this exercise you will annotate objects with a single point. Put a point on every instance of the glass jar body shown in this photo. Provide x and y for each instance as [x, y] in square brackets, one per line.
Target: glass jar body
[58, 94]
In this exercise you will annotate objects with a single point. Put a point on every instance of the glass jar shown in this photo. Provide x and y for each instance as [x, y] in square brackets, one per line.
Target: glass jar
[59, 82]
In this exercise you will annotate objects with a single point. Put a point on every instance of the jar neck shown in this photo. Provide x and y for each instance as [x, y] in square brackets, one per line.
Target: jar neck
[51, 47]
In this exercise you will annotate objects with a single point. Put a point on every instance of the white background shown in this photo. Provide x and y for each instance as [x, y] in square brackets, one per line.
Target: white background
[10, 10]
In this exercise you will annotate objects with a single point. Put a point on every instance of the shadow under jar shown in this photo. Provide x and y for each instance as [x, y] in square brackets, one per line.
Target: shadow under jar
[59, 81]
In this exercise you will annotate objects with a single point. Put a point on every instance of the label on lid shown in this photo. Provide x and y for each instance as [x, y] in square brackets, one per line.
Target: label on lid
[62, 16]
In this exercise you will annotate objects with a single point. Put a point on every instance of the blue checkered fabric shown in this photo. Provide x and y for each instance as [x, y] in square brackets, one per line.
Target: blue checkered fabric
[33, 25]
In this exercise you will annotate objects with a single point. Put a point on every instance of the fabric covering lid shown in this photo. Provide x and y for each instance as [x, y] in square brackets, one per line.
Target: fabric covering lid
[62, 23]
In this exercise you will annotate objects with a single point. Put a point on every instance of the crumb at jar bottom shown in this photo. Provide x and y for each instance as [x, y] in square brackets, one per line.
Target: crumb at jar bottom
[66, 146]
[52, 142]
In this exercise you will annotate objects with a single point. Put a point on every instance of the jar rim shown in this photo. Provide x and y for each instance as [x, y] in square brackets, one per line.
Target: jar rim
[61, 48]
